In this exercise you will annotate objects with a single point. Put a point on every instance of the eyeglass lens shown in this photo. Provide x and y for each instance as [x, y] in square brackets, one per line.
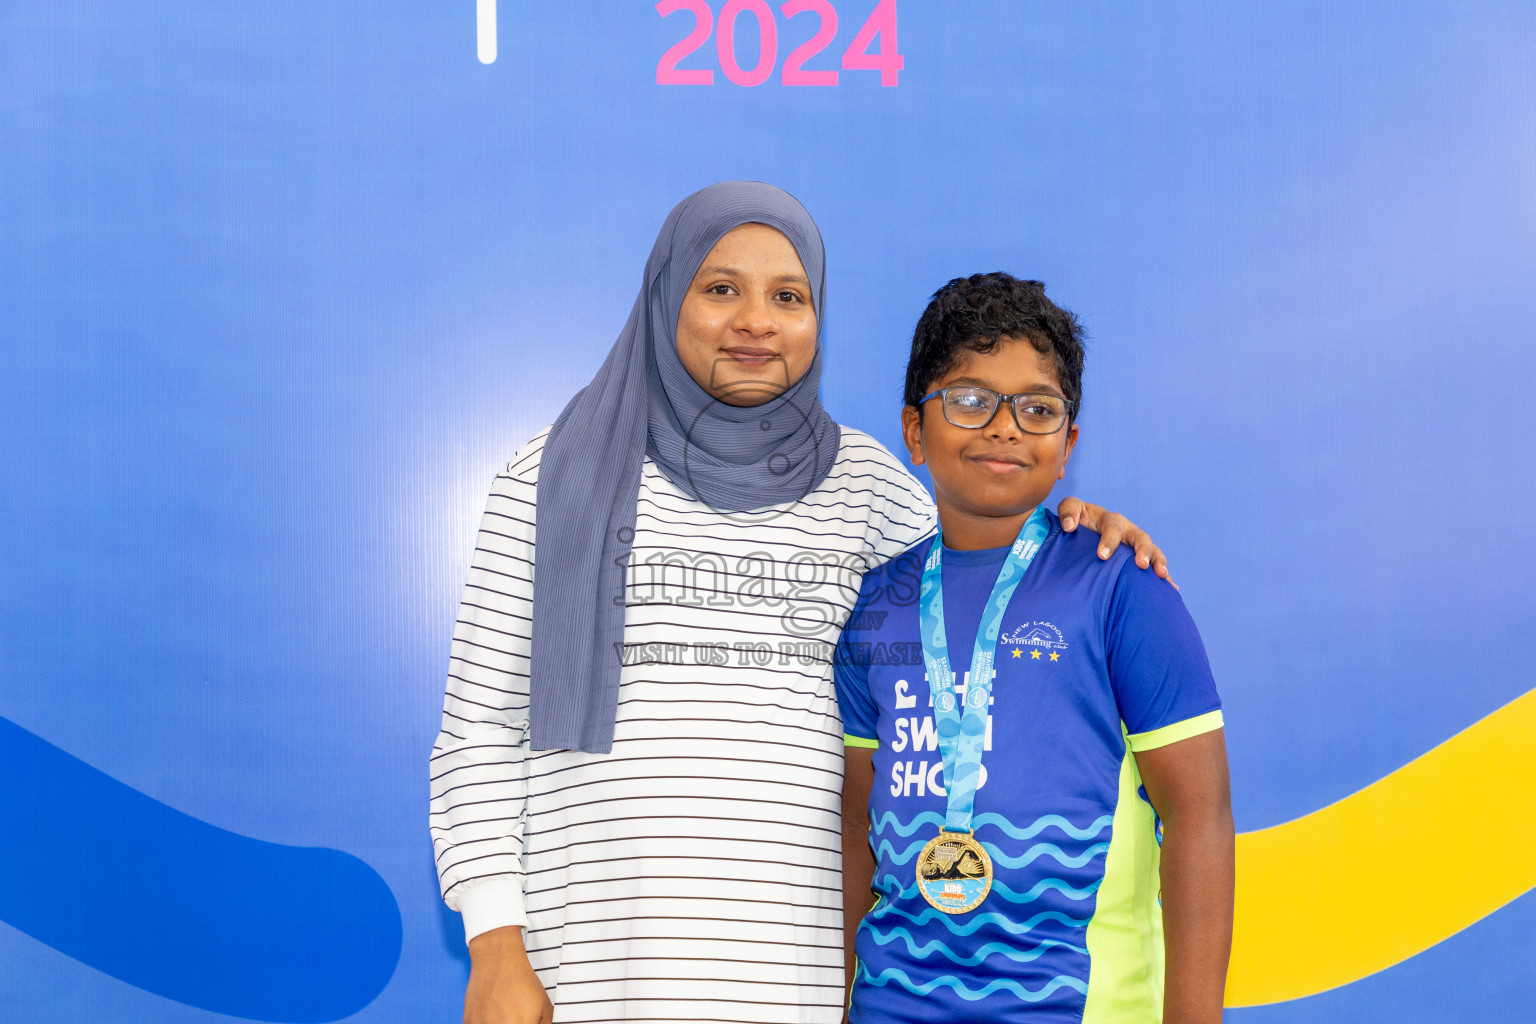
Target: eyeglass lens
[974, 408]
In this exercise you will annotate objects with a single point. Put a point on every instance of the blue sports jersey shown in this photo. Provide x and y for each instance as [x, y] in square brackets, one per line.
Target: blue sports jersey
[1096, 659]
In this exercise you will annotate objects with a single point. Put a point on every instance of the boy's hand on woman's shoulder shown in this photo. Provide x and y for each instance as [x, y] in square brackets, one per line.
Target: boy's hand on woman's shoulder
[1115, 530]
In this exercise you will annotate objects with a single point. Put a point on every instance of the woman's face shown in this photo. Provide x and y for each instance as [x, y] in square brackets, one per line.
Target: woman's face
[746, 330]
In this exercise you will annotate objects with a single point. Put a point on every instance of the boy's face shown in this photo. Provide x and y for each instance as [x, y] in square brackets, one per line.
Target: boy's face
[997, 472]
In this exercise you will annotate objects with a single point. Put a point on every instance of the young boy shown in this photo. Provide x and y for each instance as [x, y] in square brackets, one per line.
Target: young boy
[1064, 760]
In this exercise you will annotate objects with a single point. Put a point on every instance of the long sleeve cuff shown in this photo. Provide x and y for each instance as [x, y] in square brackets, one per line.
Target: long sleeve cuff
[493, 903]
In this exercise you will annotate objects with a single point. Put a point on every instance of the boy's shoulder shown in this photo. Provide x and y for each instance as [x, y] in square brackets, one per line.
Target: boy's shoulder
[1114, 592]
[1063, 557]
[1104, 587]
[1078, 549]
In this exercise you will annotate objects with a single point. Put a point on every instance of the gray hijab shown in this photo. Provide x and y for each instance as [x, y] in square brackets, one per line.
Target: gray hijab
[644, 403]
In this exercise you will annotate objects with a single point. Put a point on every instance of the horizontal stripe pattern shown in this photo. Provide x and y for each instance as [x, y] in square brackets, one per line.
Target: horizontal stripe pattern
[694, 873]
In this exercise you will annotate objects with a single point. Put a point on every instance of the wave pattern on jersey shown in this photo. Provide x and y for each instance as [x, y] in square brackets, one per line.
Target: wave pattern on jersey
[900, 977]
[936, 947]
[903, 856]
[932, 819]
[890, 884]
[971, 922]
[1027, 942]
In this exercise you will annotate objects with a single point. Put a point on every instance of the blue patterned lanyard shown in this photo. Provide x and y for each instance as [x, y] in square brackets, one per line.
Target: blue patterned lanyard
[962, 732]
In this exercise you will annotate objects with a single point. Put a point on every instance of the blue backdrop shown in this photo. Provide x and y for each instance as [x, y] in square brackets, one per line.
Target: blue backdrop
[282, 284]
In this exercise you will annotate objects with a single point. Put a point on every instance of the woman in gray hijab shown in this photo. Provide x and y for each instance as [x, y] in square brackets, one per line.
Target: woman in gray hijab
[635, 793]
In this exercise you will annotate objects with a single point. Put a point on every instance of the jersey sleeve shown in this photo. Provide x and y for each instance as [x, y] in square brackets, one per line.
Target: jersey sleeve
[850, 676]
[1157, 663]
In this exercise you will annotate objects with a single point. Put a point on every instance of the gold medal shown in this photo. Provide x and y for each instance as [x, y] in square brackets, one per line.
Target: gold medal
[954, 873]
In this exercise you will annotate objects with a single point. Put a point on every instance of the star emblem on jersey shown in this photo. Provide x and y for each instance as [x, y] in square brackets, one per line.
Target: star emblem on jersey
[1018, 653]
[1033, 655]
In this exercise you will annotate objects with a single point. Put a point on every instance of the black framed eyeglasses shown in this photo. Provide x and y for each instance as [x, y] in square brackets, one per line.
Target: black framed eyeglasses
[972, 407]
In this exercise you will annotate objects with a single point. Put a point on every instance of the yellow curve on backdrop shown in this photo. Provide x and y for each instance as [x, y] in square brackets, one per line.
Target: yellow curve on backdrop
[1386, 873]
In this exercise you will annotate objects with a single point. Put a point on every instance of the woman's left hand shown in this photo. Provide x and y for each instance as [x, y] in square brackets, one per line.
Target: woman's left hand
[1115, 530]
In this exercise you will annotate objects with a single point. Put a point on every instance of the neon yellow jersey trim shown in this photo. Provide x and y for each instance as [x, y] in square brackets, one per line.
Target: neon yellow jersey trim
[850, 740]
[1199, 725]
[1125, 937]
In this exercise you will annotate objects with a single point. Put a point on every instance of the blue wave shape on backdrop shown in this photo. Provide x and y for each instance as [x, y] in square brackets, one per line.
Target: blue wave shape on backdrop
[890, 887]
[901, 978]
[936, 946]
[1034, 852]
[178, 907]
[992, 819]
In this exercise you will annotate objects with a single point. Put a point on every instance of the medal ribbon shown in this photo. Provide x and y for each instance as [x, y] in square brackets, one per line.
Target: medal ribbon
[962, 730]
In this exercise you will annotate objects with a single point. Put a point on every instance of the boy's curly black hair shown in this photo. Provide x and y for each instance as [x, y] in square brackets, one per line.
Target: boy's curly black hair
[975, 313]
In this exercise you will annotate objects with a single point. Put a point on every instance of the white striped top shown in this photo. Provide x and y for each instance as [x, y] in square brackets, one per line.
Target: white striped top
[693, 874]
